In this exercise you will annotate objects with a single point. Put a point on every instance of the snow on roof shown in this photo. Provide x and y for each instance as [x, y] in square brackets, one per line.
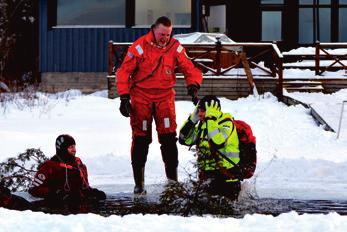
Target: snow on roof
[203, 38]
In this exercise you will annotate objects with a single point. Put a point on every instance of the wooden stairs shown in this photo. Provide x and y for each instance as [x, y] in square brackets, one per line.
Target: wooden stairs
[303, 86]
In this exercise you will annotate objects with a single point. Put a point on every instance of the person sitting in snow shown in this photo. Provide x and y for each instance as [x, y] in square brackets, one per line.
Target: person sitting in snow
[11, 201]
[216, 139]
[63, 179]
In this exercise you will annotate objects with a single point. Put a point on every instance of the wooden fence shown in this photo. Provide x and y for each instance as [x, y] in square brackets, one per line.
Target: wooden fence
[333, 60]
[217, 60]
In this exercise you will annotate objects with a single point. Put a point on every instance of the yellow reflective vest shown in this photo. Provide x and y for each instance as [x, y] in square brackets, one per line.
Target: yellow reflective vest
[212, 137]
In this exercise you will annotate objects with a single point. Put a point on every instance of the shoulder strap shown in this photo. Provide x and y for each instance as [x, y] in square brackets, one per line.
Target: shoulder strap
[155, 68]
[226, 120]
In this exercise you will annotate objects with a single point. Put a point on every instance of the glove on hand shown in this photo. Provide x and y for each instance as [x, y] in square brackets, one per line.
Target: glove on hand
[192, 90]
[194, 116]
[125, 106]
[94, 194]
[212, 110]
[58, 195]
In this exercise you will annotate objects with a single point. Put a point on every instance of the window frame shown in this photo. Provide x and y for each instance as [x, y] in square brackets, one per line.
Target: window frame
[315, 16]
[278, 7]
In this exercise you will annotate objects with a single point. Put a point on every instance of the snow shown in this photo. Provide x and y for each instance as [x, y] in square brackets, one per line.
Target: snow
[296, 159]
[203, 38]
[30, 221]
[312, 51]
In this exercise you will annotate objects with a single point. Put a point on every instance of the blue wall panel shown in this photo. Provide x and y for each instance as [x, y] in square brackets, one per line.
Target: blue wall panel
[81, 49]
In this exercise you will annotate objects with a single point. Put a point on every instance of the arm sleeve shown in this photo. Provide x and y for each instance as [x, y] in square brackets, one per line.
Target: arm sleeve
[125, 71]
[85, 176]
[187, 135]
[192, 74]
[40, 183]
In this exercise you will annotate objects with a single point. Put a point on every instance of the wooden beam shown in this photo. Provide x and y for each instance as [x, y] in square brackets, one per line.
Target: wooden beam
[248, 72]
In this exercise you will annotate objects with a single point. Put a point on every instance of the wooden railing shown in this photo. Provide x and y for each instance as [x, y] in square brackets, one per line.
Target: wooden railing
[333, 60]
[328, 55]
[218, 59]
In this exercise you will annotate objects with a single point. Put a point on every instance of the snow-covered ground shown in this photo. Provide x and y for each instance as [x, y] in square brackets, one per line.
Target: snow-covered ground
[296, 160]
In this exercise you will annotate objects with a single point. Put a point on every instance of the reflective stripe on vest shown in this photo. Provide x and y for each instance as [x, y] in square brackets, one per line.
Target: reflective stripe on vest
[213, 133]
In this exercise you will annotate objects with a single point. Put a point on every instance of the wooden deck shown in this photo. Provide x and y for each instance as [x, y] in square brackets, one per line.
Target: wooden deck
[236, 87]
[232, 88]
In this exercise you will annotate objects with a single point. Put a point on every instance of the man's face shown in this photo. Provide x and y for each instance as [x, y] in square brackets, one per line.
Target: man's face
[162, 34]
[71, 150]
[201, 114]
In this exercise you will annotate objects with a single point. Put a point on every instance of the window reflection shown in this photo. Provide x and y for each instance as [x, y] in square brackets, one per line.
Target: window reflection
[324, 25]
[271, 26]
[305, 25]
[147, 11]
[310, 2]
[343, 25]
[272, 1]
[91, 12]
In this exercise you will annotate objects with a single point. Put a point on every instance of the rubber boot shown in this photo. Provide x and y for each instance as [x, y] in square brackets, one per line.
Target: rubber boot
[139, 153]
[171, 173]
[169, 154]
[139, 178]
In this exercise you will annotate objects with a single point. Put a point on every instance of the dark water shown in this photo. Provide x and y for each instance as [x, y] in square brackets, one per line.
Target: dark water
[125, 203]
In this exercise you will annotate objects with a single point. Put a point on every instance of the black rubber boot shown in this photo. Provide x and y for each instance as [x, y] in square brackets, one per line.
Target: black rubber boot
[139, 152]
[139, 178]
[171, 173]
[169, 154]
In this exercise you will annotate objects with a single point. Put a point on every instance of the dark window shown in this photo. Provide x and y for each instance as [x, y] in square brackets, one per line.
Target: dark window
[271, 20]
[271, 26]
[91, 12]
[311, 2]
[325, 25]
[314, 21]
[305, 25]
[343, 24]
[147, 11]
[271, 1]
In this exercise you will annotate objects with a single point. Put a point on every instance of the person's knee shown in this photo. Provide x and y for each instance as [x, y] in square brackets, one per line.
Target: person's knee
[139, 150]
[169, 149]
[168, 139]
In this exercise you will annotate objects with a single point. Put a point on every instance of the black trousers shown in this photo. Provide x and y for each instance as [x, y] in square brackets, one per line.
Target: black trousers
[140, 146]
[217, 185]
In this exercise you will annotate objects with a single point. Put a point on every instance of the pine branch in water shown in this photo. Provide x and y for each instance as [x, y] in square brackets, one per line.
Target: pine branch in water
[17, 172]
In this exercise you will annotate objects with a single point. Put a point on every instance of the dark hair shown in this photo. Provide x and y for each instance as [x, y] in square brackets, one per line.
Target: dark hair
[208, 99]
[163, 20]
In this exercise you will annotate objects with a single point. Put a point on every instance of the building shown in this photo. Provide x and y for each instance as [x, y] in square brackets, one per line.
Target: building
[74, 34]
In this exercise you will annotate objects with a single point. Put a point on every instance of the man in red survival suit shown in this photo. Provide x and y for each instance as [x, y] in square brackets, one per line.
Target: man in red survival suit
[146, 79]
[63, 180]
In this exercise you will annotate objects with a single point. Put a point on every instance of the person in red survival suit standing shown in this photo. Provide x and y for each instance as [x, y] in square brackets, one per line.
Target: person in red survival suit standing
[146, 79]
[63, 179]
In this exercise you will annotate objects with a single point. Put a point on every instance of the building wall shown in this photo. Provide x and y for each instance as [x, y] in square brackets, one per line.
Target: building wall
[87, 82]
[80, 49]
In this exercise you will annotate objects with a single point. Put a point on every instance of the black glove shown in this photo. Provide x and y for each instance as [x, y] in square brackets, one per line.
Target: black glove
[125, 105]
[192, 90]
[61, 195]
[58, 195]
[94, 194]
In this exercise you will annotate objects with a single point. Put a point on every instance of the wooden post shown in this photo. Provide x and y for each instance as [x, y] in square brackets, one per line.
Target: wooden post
[110, 57]
[248, 72]
[280, 79]
[317, 58]
[218, 55]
